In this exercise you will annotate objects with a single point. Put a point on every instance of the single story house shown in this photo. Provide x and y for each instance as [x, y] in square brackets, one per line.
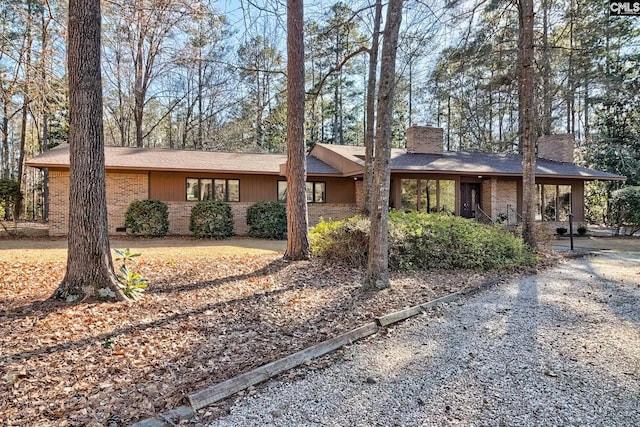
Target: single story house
[423, 177]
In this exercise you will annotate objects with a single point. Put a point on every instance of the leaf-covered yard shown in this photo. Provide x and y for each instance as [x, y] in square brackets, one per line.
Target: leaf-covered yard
[209, 314]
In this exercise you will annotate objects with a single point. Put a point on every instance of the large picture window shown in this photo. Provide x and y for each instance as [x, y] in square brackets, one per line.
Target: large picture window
[553, 202]
[429, 195]
[225, 190]
[316, 191]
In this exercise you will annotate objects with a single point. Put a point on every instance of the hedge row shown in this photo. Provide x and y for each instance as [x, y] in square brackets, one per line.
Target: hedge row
[209, 219]
[421, 241]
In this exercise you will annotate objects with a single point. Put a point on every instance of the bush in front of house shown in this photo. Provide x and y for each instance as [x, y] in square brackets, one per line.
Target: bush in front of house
[624, 209]
[582, 230]
[148, 218]
[341, 241]
[561, 231]
[267, 220]
[421, 241]
[212, 219]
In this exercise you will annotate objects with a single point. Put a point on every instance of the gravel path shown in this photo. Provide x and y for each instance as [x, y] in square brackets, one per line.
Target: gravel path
[559, 348]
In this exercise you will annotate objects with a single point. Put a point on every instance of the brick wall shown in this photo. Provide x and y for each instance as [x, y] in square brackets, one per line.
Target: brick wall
[497, 195]
[360, 194]
[488, 196]
[330, 211]
[180, 213]
[506, 196]
[558, 147]
[58, 203]
[424, 139]
[122, 189]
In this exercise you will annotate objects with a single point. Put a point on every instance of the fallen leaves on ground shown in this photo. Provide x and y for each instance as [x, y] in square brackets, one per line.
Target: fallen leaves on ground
[202, 320]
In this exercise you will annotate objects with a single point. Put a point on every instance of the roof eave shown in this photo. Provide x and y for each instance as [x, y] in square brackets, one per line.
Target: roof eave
[158, 169]
[508, 174]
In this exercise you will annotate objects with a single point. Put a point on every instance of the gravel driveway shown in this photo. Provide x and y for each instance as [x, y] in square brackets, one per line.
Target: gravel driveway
[559, 348]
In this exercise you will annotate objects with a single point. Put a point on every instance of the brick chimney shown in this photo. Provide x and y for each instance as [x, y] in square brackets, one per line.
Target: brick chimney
[424, 139]
[558, 147]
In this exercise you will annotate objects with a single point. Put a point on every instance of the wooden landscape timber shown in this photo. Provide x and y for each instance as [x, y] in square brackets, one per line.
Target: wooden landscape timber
[220, 391]
[213, 394]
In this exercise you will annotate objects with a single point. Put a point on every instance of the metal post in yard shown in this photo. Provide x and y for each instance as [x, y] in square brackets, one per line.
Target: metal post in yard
[571, 229]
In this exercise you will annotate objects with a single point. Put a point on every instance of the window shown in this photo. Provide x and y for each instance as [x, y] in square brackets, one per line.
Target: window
[429, 195]
[553, 202]
[316, 191]
[226, 190]
[206, 189]
[447, 196]
[282, 191]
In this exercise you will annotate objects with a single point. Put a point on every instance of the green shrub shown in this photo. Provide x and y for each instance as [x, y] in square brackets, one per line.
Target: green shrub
[149, 218]
[561, 231]
[423, 241]
[132, 284]
[582, 230]
[624, 209]
[211, 218]
[341, 241]
[267, 220]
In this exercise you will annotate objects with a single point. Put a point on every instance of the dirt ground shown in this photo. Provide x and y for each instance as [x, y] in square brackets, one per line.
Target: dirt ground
[213, 310]
[55, 249]
[610, 243]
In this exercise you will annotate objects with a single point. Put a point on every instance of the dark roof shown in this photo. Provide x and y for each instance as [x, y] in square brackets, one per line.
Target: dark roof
[318, 167]
[474, 163]
[130, 158]
[463, 163]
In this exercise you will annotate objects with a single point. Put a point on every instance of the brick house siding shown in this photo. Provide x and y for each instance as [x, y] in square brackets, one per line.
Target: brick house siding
[506, 201]
[500, 197]
[136, 173]
[360, 194]
[122, 189]
[180, 212]
[330, 211]
[58, 203]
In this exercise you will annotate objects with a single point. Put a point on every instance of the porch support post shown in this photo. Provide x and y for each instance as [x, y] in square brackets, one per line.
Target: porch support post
[396, 193]
[489, 195]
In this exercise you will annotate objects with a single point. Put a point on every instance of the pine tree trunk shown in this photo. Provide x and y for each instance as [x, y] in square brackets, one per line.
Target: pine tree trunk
[297, 218]
[527, 117]
[369, 140]
[138, 108]
[17, 202]
[547, 118]
[377, 274]
[5, 141]
[89, 272]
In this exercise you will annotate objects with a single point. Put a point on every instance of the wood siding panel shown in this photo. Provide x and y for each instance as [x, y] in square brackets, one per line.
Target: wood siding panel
[171, 186]
[577, 201]
[336, 161]
[339, 190]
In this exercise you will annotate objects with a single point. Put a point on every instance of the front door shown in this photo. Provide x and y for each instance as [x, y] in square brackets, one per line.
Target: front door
[469, 199]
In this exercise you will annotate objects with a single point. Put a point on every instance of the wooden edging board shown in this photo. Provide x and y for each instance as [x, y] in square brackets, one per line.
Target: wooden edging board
[217, 392]
[209, 395]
